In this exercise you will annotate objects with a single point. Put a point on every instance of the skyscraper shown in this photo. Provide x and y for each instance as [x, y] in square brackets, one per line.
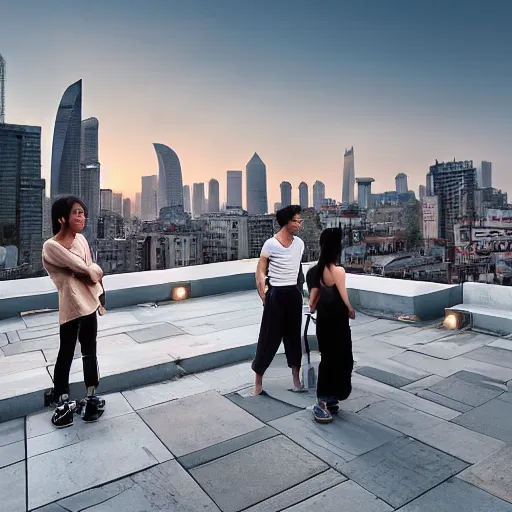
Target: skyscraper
[186, 199]
[21, 193]
[485, 180]
[198, 199]
[127, 208]
[90, 185]
[137, 205]
[89, 141]
[286, 194]
[349, 177]
[318, 195]
[149, 198]
[303, 196]
[256, 185]
[170, 181]
[117, 203]
[106, 199]
[66, 152]
[234, 189]
[454, 183]
[213, 196]
[364, 192]
[401, 186]
[422, 192]
[2, 90]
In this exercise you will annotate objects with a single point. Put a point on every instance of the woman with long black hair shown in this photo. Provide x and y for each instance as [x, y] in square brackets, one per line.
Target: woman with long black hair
[67, 259]
[329, 298]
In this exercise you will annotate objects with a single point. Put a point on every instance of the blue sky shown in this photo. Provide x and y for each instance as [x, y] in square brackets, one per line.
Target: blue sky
[405, 82]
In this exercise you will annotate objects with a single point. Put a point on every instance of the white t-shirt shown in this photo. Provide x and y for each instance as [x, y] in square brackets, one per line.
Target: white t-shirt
[284, 262]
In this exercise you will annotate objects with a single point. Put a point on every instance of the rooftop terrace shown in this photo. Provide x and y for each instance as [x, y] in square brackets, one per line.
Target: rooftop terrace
[428, 425]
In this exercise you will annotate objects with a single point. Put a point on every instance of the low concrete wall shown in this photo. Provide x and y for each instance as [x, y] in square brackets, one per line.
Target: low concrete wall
[383, 296]
[488, 295]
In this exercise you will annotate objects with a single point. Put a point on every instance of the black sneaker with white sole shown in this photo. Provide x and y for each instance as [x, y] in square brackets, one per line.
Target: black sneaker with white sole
[64, 411]
[91, 408]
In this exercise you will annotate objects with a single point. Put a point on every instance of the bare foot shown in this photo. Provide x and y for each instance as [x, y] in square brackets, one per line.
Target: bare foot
[258, 385]
[296, 378]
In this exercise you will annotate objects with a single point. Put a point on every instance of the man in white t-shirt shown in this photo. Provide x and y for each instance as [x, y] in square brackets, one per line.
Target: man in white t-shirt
[277, 280]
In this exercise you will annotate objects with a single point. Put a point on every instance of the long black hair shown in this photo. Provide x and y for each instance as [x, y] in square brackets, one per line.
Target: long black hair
[330, 250]
[62, 207]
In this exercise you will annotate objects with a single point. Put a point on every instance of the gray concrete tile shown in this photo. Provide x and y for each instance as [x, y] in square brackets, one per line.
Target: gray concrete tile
[347, 437]
[36, 345]
[12, 488]
[12, 453]
[32, 334]
[125, 329]
[166, 487]
[492, 355]
[52, 507]
[391, 379]
[345, 497]
[219, 450]
[399, 417]
[402, 470]
[270, 467]
[493, 419]
[12, 431]
[372, 328]
[116, 319]
[39, 319]
[155, 394]
[299, 493]
[368, 385]
[23, 383]
[109, 449]
[467, 390]
[13, 336]
[493, 474]
[278, 388]
[12, 324]
[156, 332]
[21, 363]
[191, 424]
[458, 441]
[456, 496]
[503, 343]
[454, 345]
[443, 400]
[265, 408]
[419, 335]
[229, 378]
[3, 340]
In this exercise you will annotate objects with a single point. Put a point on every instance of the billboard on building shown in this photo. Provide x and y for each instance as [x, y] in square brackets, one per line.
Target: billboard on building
[499, 216]
[430, 217]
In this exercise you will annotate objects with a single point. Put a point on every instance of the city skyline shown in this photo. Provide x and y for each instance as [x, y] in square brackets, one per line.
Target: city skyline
[297, 111]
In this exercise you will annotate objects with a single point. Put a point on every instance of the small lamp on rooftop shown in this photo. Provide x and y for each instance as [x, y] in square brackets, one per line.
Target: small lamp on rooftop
[454, 320]
[180, 292]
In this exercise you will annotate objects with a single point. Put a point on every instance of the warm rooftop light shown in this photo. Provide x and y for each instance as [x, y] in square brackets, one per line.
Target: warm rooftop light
[181, 292]
[450, 321]
[456, 320]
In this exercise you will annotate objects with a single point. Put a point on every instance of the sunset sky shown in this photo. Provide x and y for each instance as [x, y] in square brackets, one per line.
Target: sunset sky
[298, 81]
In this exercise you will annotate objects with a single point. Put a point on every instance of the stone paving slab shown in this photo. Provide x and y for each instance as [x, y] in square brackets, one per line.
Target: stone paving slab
[40, 319]
[454, 345]
[219, 450]
[402, 470]
[155, 332]
[276, 465]
[12, 324]
[12, 453]
[422, 384]
[12, 431]
[391, 379]
[109, 450]
[166, 487]
[12, 488]
[347, 437]
[265, 408]
[493, 419]
[32, 334]
[399, 417]
[4, 340]
[493, 474]
[492, 355]
[345, 497]
[191, 424]
[457, 496]
[467, 388]
[299, 493]
[21, 363]
[443, 400]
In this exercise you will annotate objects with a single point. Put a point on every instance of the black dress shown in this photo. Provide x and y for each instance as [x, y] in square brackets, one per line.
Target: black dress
[334, 342]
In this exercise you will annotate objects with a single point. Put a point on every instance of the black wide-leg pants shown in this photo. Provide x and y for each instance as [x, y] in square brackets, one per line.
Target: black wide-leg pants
[282, 321]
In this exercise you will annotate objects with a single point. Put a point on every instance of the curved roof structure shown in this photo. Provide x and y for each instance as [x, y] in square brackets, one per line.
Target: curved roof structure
[65, 172]
[170, 181]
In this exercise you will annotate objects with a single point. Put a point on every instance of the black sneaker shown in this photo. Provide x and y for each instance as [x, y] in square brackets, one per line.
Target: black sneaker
[332, 406]
[92, 408]
[321, 414]
[63, 414]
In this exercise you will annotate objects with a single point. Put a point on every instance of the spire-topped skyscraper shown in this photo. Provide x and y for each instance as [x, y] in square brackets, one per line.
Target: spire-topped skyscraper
[349, 177]
[256, 183]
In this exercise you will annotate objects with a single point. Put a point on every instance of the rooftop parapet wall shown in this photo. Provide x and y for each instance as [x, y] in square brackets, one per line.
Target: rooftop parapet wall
[381, 296]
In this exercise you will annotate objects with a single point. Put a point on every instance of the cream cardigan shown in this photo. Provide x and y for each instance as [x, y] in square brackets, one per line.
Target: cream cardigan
[77, 296]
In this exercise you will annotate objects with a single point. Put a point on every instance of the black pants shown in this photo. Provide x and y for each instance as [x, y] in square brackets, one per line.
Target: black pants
[282, 320]
[85, 329]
